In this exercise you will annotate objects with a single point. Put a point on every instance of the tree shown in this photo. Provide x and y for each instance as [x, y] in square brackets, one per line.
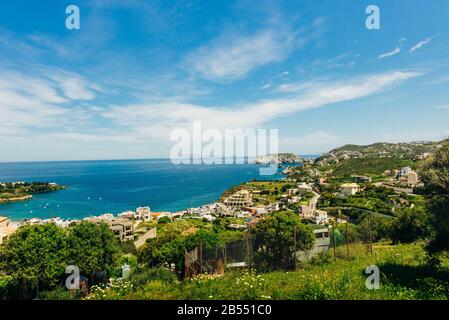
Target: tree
[35, 256]
[166, 248]
[410, 225]
[435, 176]
[93, 248]
[273, 241]
[378, 226]
[164, 220]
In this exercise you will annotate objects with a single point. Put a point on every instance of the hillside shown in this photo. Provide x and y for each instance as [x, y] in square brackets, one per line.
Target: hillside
[403, 276]
[406, 151]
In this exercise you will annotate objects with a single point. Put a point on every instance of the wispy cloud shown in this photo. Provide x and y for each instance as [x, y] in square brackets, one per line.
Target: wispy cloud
[156, 119]
[389, 54]
[232, 56]
[40, 99]
[443, 107]
[420, 44]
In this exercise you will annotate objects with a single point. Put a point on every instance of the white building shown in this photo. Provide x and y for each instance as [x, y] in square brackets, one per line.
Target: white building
[143, 213]
[319, 217]
[349, 189]
[404, 171]
[304, 188]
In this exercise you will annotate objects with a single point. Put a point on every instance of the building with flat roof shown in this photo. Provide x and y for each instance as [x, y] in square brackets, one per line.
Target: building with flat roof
[349, 189]
[303, 188]
[123, 229]
[242, 198]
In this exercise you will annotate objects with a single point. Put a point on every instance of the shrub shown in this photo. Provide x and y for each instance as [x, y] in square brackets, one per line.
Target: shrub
[141, 277]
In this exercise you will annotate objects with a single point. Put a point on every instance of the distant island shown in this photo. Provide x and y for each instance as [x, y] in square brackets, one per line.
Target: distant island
[21, 191]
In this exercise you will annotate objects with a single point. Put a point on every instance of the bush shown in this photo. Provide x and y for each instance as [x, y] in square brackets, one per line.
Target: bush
[141, 277]
[409, 226]
[6, 286]
[59, 293]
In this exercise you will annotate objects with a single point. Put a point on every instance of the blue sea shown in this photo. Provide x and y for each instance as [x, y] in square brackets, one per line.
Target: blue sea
[97, 187]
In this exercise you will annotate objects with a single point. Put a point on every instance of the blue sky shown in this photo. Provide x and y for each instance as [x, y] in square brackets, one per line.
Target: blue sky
[138, 69]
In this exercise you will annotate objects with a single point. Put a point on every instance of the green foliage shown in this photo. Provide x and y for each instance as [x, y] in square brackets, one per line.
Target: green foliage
[35, 255]
[370, 165]
[273, 241]
[380, 228]
[166, 248]
[353, 231]
[142, 276]
[435, 176]
[6, 286]
[164, 220]
[114, 290]
[10, 190]
[59, 293]
[410, 225]
[92, 247]
[129, 247]
[404, 276]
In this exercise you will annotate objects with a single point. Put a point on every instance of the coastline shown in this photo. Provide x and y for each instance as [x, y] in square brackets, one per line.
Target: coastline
[16, 199]
[57, 209]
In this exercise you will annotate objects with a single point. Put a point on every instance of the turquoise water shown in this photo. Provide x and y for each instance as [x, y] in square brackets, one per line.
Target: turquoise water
[96, 187]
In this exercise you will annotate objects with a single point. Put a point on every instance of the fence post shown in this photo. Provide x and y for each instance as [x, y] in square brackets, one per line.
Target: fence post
[247, 252]
[294, 248]
[370, 235]
[201, 256]
[347, 242]
[333, 238]
[225, 254]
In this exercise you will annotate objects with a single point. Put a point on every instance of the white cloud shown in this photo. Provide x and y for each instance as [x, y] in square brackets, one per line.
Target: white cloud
[156, 119]
[420, 44]
[39, 100]
[443, 107]
[389, 54]
[233, 56]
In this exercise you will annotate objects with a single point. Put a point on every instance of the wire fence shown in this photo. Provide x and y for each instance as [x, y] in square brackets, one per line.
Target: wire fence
[269, 254]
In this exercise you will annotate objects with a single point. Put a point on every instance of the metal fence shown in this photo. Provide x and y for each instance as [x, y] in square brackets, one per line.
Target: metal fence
[267, 255]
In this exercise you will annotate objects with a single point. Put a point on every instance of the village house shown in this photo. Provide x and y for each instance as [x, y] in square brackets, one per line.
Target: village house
[143, 213]
[349, 189]
[123, 229]
[304, 188]
[306, 211]
[319, 217]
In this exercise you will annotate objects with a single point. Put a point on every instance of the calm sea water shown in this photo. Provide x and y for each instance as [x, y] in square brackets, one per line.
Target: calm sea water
[96, 187]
